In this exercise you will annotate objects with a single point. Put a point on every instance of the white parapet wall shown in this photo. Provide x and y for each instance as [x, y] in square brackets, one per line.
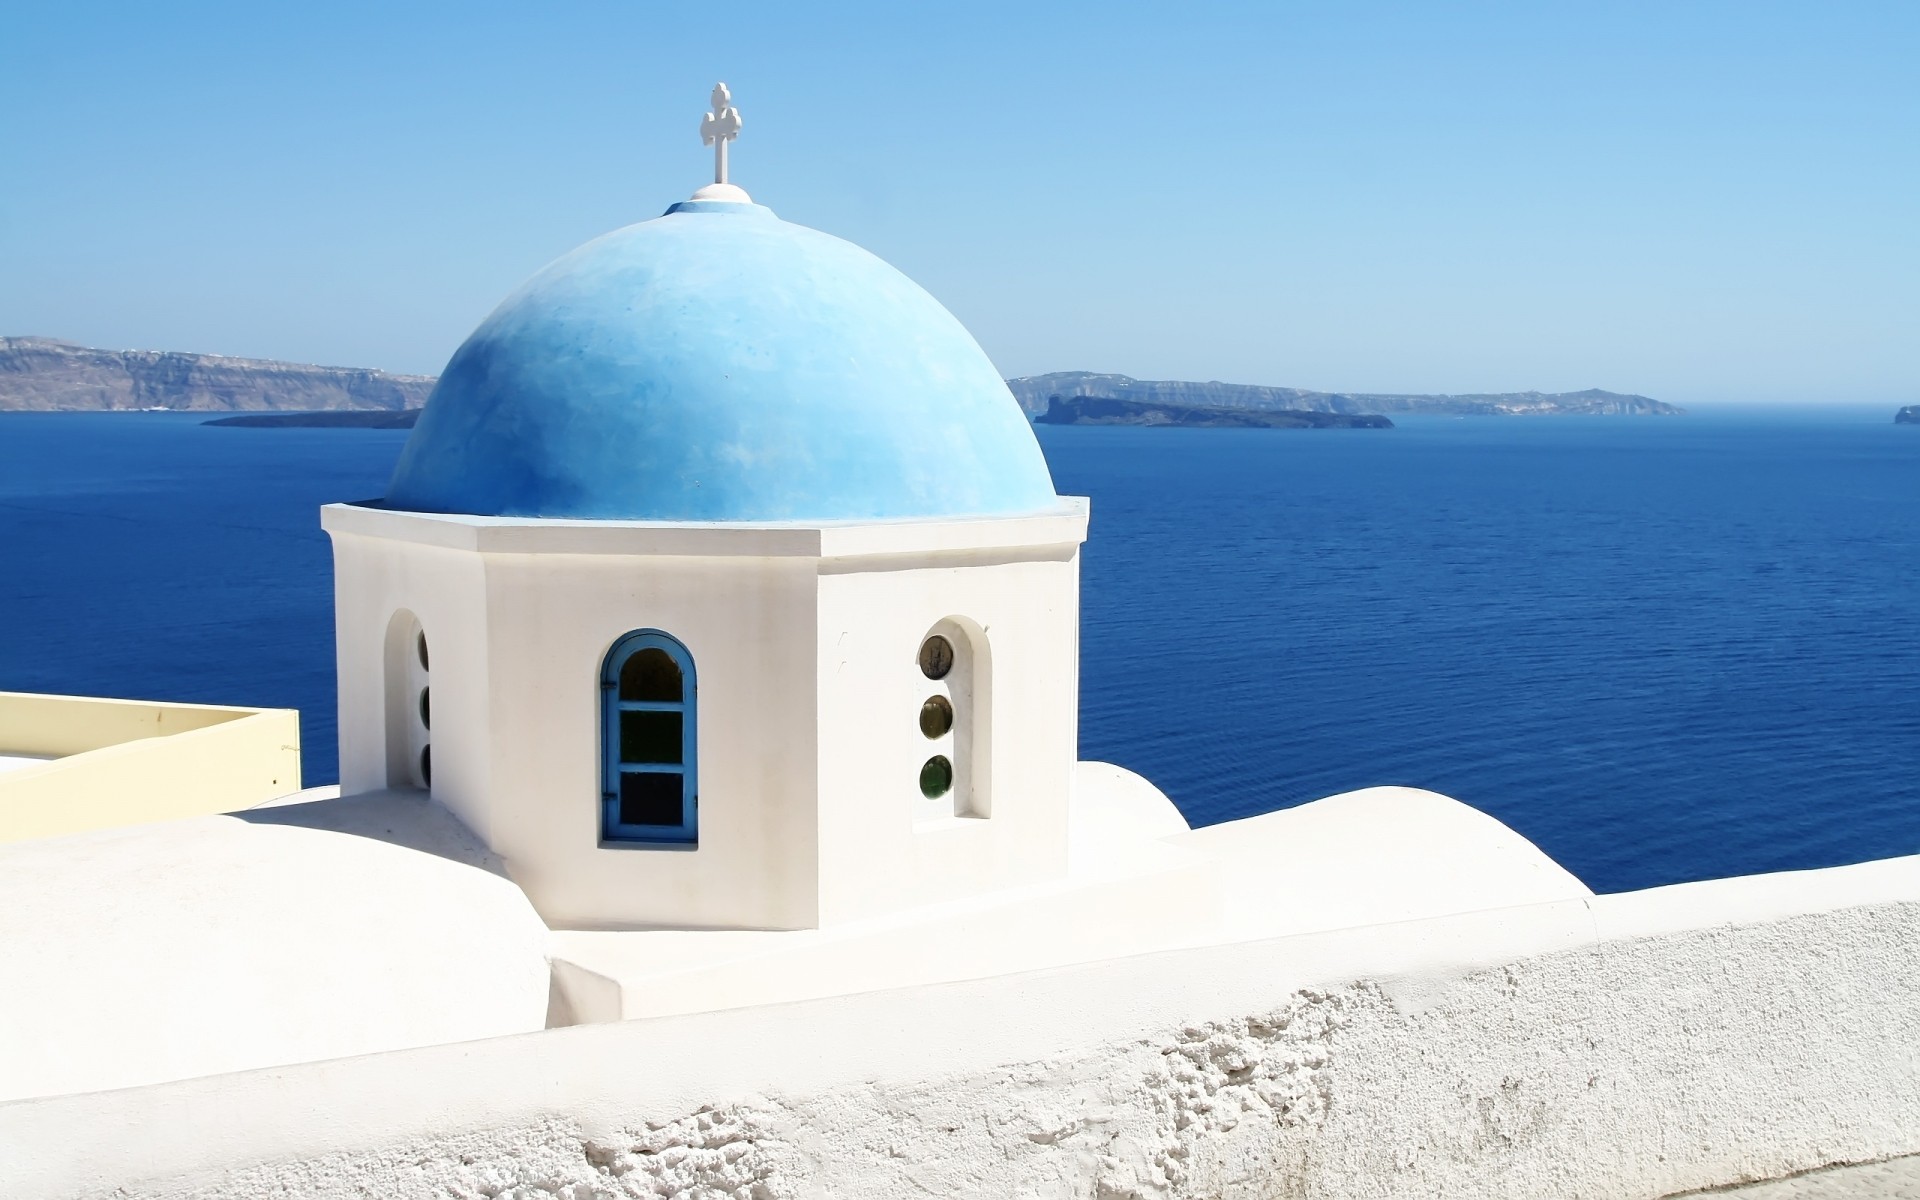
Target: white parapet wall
[75, 763]
[1620, 1046]
[289, 933]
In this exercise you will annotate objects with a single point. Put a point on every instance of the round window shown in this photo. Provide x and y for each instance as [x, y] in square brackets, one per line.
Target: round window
[936, 657]
[936, 777]
[420, 647]
[426, 765]
[426, 710]
[936, 716]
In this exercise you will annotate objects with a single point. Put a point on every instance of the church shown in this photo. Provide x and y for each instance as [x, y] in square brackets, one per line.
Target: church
[714, 650]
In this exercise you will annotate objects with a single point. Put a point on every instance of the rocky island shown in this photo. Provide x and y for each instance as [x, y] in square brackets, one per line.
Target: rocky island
[1034, 392]
[1105, 410]
[1910, 415]
[45, 375]
[379, 419]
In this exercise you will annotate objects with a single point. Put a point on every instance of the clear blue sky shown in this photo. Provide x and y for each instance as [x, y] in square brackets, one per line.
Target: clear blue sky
[1702, 202]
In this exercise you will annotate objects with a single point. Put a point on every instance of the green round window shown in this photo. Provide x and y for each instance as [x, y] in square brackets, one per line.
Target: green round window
[936, 777]
[936, 716]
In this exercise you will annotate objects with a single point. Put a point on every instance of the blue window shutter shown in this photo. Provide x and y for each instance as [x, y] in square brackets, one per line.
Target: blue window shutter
[644, 795]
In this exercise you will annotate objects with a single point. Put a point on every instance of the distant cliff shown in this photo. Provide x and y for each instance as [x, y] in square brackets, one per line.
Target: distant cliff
[1101, 410]
[1081, 410]
[1033, 392]
[46, 375]
[1910, 415]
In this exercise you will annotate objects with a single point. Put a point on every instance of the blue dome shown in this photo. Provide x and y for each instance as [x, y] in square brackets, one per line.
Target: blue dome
[719, 364]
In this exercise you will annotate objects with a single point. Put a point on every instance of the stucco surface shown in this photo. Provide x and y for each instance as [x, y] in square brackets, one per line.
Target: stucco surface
[278, 935]
[805, 643]
[1895, 1179]
[1892, 1179]
[1637, 1066]
[1138, 882]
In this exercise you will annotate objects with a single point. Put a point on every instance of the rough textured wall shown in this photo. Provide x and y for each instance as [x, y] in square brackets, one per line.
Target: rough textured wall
[1627, 1068]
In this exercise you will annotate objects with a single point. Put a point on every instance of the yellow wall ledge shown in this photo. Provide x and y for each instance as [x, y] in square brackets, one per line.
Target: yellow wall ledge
[124, 762]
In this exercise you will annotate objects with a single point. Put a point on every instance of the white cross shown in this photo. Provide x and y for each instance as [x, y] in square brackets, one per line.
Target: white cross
[719, 127]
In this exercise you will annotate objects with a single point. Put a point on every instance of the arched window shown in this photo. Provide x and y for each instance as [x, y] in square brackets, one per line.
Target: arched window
[409, 715]
[954, 719]
[649, 791]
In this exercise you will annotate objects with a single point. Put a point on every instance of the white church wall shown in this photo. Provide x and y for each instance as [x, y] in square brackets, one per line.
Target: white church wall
[383, 587]
[520, 616]
[1013, 623]
[803, 817]
[747, 622]
[1626, 1046]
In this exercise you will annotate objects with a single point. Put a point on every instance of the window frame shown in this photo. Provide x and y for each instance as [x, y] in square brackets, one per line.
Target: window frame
[613, 832]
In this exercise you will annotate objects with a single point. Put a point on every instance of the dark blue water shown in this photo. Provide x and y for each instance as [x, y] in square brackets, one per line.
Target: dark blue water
[1662, 649]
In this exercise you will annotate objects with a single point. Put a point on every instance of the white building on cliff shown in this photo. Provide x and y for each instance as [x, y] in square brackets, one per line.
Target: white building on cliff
[715, 648]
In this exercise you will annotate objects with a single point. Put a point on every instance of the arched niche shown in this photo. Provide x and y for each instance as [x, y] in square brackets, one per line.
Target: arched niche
[408, 700]
[955, 722]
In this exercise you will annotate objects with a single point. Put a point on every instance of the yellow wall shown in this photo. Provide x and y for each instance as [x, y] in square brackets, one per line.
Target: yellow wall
[123, 762]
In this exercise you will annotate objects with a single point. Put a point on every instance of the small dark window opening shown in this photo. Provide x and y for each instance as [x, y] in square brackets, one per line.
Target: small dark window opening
[936, 657]
[936, 777]
[936, 716]
[649, 785]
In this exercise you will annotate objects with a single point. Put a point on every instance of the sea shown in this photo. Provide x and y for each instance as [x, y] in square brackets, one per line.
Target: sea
[1663, 649]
